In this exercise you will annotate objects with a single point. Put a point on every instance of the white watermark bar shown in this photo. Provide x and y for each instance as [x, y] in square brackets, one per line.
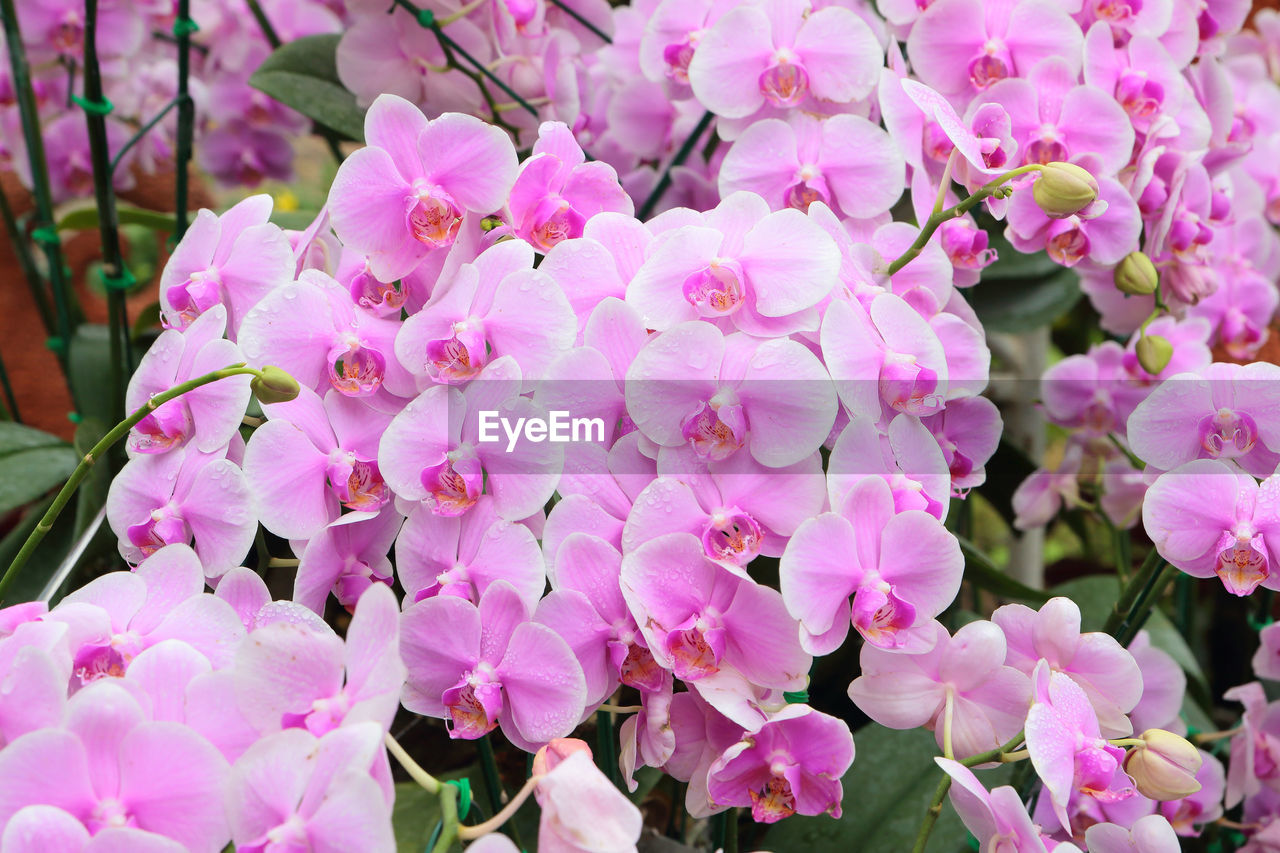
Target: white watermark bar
[557, 428]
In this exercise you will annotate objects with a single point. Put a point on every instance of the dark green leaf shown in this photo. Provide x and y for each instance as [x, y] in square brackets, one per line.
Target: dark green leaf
[31, 463]
[1020, 305]
[89, 372]
[984, 574]
[886, 795]
[303, 74]
[46, 558]
[1095, 595]
[92, 493]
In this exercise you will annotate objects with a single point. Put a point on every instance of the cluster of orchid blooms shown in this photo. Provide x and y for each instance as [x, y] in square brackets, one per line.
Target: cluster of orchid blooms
[781, 371]
[242, 135]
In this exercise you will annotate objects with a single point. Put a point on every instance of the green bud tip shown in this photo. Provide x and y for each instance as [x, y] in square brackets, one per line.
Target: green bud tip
[1136, 275]
[1154, 352]
[273, 385]
[1064, 189]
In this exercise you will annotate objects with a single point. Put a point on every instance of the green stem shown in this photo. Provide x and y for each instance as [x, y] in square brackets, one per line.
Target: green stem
[24, 94]
[428, 782]
[489, 769]
[1145, 576]
[113, 269]
[937, 218]
[264, 24]
[1137, 617]
[117, 432]
[681, 156]
[186, 117]
[449, 819]
[10, 400]
[596, 31]
[607, 758]
[142, 131]
[731, 832]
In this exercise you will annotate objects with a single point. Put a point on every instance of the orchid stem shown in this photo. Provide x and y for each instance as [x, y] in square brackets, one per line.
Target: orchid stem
[664, 181]
[117, 432]
[938, 217]
[429, 783]
[467, 833]
[947, 714]
[944, 183]
[183, 27]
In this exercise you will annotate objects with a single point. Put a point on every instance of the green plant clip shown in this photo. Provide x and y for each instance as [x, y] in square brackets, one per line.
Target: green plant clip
[122, 282]
[97, 108]
[75, 417]
[796, 696]
[185, 27]
[46, 235]
[426, 19]
[56, 344]
[464, 795]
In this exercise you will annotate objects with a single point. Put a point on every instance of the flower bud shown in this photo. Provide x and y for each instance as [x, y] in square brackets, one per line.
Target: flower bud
[557, 750]
[273, 385]
[1136, 275]
[1064, 189]
[1154, 352]
[1165, 766]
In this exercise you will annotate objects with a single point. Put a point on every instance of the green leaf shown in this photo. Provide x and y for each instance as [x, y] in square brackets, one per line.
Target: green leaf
[984, 574]
[46, 558]
[414, 817]
[85, 218]
[89, 372]
[1006, 470]
[886, 795]
[303, 74]
[1020, 305]
[31, 463]
[1095, 595]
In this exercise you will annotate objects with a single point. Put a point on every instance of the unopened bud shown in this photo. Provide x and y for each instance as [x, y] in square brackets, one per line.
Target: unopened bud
[1064, 189]
[557, 750]
[1136, 275]
[273, 385]
[1154, 352]
[1165, 766]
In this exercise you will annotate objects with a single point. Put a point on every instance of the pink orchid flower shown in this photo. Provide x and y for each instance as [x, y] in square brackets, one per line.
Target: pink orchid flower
[231, 260]
[742, 266]
[433, 451]
[463, 555]
[865, 550]
[1224, 411]
[997, 818]
[172, 498]
[906, 456]
[693, 385]
[1207, 519]
[294, 790]
[1151, 834]
[341, 683]
[700, 620]
[498, 305]
[1100, 666]
[345, 558]
[582, 811]
[404, 195]
[1067, 749]
[211, 414]
[312, 458]
[482, 666]
[845, 162]
[962, 683]
[109, 767]
[783, 53]
[557, 191]
[968, 432]
[312, 329]
[792, 765]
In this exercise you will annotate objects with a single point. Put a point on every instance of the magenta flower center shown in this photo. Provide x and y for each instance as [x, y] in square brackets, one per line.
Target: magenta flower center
[990, 66]
[696, 647]
[678, 55]
[356, 483]
[774, 801]
[637, 668]
[808, 188]
[109, 813]
[1117, 12]
[453, 483]
[107, 660]
[1227, 434]
[1242, 561]
[164, 429]
[376, 296]
[163, 527]
[732, 536]
[555, 220]
[785, 83]
[200, 292]
[474, 704]
[433, 218]
[458, 359]
[717, 290]
[908, 386]
[1048, 148]
[1141, 98]
[1067, 243]
[354, 369]
[879, 615]
[715, 431]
